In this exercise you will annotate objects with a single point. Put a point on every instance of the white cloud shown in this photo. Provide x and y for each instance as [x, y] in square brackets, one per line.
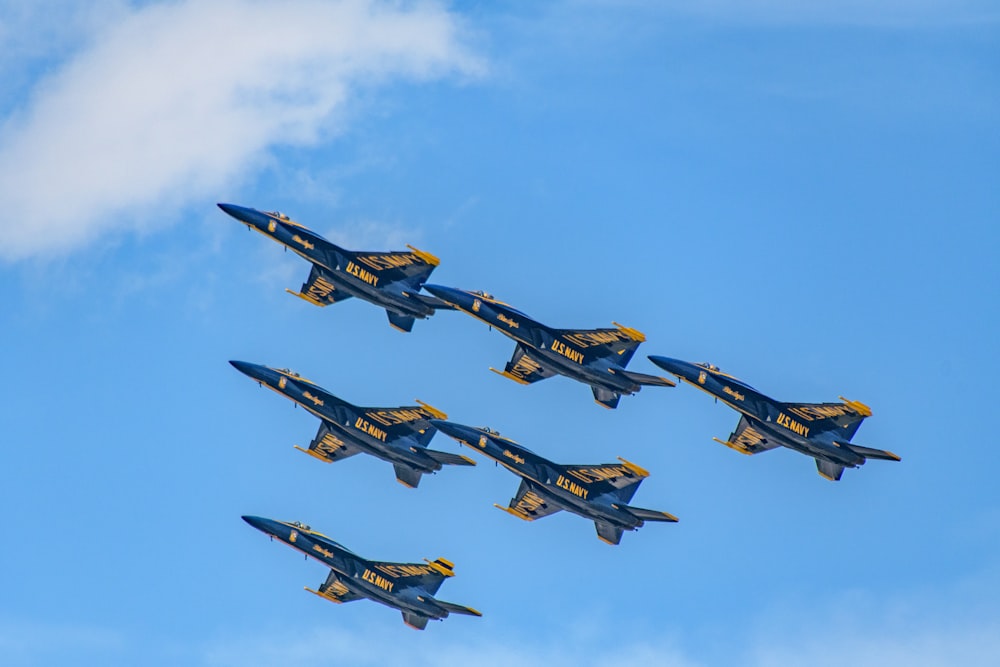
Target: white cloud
[936, 627]
[171, 101]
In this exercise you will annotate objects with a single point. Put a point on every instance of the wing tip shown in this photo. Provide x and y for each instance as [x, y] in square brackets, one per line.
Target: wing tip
[437, 414]
[512, 511]
[637, 470]
[732, 445]
[634, 334]
[857, 406]
[509, 376]
[424, 255]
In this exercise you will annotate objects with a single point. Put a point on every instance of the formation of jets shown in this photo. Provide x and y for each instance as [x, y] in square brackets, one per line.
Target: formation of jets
[401, 435]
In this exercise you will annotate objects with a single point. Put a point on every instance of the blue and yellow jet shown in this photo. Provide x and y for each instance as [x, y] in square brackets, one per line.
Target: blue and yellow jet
[397, 435]
[592, 356]
[597, 492]
[390, 280]
[408, 587]
[820, 430]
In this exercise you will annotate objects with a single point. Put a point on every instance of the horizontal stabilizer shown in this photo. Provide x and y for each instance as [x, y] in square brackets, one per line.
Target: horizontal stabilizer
[644, 379]
[870, 452]
[453, 608]
[406, 475]
[648, 515]
[448, 459]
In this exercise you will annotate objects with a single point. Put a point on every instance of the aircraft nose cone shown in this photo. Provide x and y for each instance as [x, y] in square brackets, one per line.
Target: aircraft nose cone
[673, 366]
[456, 431]
[441, 292]
[246, 215]
[257, 522]
[241, 213]
[255, 371]
[244, 367]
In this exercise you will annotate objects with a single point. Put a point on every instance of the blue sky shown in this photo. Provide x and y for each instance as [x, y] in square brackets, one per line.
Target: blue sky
[802, 193]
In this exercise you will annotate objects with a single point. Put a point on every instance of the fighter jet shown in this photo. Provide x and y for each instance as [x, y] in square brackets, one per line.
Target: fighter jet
[408, 587]
[820, 430]
[390, 280]
[596, 492]
[592, 356]
[397, 435]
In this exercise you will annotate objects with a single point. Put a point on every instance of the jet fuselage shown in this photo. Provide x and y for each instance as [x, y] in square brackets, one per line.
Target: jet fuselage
[351, 277]
[351, 423]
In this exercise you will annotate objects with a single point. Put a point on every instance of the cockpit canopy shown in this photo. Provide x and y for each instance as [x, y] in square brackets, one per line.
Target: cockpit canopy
[708, 366]
[289, 372]
[279, 215]
[301, 526]
[479, 292]
[489, 430]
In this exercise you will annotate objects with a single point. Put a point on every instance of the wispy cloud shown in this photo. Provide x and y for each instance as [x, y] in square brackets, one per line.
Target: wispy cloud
[958, 625]
[868, 13]
[171, 101]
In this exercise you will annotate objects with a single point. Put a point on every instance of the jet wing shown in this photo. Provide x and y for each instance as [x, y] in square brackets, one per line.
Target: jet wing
[334, 590]
[619, 479]
[618, 344]
[428, 575]
[410, 268]
[523, 369]
[388, 424]
[319, 290]
[747, 440]
[528, 504]
[327, 447]
[841, 418]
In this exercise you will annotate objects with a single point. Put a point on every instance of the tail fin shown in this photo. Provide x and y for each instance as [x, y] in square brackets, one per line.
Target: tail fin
[399, 322]
[607, 533]
[415, 621]
[608, 399]
[406, 475]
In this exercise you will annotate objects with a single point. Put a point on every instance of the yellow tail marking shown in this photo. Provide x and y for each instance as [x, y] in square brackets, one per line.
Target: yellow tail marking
[315, 455]
[443, 567]
[306, 297]
[426, 256]
[509, 376]
[641, 472]
[857, 406]
[511, 510]
[431, 409]
[634, 334]
[732, 445]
